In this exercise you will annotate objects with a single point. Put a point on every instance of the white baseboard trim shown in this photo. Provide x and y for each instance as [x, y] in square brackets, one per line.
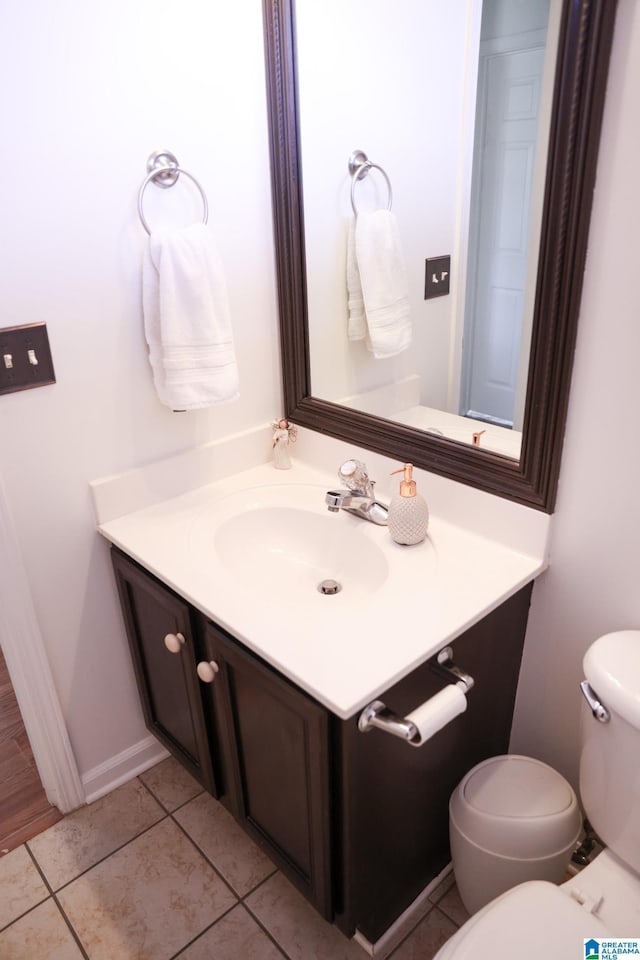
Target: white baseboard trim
[122, 767]
[405, 922]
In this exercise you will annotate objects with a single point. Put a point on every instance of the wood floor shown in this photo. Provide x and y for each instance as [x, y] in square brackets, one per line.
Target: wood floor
[24, 808]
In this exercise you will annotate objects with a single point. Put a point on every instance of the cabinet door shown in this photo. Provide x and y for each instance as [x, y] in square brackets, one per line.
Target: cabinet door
[167, 681]
[278, 744]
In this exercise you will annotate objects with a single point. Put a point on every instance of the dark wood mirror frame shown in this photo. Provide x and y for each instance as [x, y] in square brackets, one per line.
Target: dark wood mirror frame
[583, 57]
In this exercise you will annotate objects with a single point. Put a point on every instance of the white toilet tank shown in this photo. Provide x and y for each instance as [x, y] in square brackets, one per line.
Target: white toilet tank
[609, 767]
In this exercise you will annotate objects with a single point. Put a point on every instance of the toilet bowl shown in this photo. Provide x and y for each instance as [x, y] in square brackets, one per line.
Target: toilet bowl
[539, 919]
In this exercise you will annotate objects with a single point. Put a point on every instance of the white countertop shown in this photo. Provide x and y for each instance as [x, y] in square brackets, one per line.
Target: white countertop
[346, 649]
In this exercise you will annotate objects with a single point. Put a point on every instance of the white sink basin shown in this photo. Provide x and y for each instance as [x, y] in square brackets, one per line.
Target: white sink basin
[280, 549]
[249, 551]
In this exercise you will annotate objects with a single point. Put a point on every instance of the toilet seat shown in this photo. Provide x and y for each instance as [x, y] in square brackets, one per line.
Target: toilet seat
[531, 921]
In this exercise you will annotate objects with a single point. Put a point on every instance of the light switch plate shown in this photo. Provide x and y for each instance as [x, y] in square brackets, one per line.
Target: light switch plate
[437, 277]
[25, 358]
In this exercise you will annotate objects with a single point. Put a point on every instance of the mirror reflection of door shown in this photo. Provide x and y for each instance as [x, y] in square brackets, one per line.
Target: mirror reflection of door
[510, 81]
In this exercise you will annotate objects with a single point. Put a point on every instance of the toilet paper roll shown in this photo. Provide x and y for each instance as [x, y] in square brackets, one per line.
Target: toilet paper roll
[437, 712]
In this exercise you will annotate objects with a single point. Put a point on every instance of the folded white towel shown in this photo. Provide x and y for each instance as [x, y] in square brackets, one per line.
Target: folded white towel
[357, 324]
[376, 258]
[187, 321]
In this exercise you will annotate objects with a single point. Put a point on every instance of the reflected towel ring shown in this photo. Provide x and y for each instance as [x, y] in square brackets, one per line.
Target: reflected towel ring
[165, 171]
[359, 166]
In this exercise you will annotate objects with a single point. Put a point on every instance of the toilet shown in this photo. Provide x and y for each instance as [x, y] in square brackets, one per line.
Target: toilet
[539, 919]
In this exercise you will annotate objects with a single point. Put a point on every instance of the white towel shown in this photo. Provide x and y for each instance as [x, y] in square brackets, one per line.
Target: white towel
[376, 258]
[357, 325]
[187, 321]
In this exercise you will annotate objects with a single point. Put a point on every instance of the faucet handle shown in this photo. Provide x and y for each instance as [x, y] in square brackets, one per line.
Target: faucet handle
[353, 474]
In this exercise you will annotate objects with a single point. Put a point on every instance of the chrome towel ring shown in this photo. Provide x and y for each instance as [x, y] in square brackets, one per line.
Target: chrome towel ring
[164, 170]
[359, 166]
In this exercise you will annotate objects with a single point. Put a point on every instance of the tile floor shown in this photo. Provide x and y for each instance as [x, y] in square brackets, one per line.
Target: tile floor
[159, 870]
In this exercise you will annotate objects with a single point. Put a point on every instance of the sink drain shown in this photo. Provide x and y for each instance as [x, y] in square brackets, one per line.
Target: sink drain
[329, 587]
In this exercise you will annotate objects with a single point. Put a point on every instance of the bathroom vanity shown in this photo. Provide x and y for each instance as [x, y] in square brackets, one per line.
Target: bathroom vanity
[259, 696]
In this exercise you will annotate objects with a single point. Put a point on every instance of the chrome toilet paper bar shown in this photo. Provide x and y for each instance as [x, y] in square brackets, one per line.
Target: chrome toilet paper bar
[377, 714]
[431, 716]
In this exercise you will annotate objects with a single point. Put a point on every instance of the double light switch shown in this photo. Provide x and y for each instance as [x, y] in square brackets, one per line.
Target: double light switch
[25, 358]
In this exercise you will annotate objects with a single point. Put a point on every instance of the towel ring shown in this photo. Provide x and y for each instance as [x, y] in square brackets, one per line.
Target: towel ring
[164, 171]
[359, 166]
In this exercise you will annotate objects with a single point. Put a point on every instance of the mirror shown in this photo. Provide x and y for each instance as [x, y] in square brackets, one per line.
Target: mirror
[496, 61]
[579, 77]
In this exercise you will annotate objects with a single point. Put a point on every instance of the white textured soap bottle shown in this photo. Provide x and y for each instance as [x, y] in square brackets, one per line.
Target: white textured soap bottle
[408, 511]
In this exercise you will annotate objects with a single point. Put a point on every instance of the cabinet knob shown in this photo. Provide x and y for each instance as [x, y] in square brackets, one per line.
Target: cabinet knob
[174, 642]
[207, 670]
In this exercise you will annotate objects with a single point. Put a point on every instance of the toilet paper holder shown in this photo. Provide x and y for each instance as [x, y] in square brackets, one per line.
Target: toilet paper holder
[377, 715]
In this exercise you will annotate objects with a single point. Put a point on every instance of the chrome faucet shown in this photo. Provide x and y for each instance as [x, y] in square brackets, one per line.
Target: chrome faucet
[358, 497]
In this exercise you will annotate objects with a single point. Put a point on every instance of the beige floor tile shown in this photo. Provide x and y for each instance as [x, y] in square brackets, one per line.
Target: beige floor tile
[236, 937]
[296, 926]
[41, 934]
[427, 938]
[453, 907]
[222, 840]
[87, 835]
[21, 886]
[147, 900]
[171, 784]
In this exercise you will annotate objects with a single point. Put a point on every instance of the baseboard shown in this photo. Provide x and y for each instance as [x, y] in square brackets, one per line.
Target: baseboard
[405, 922]
[122, 767]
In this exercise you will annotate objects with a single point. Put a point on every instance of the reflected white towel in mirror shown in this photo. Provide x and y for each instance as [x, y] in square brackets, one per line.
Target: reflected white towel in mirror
[377, 285]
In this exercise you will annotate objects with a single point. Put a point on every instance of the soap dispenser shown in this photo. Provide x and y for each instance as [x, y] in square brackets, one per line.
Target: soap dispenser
[408, 511]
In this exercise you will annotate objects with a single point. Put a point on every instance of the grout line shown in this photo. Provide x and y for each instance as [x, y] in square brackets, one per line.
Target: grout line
[434, 908]
[202, 932]
[71, 928]
[58, 904]
[38, 868]
[206, 858]
[236, 906]
[260, 924]
[44, 899]
[24, 913]
[240, 898]
[152, 794]
[82, 873]
[164, 806]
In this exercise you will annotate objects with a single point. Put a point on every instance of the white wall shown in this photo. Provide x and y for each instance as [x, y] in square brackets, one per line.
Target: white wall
[86, 98]
[89, 90]
[591, 587]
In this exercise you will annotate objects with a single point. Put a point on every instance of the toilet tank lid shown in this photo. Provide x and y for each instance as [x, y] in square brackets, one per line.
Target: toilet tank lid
[612, 667]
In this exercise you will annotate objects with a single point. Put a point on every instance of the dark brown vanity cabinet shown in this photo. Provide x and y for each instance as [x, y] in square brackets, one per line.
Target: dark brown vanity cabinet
[358, 821]
[392, 800]
[266, 740]
[164, 641]
[276, 739]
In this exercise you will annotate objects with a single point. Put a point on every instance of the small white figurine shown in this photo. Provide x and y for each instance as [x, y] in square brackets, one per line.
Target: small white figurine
[284, 433]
